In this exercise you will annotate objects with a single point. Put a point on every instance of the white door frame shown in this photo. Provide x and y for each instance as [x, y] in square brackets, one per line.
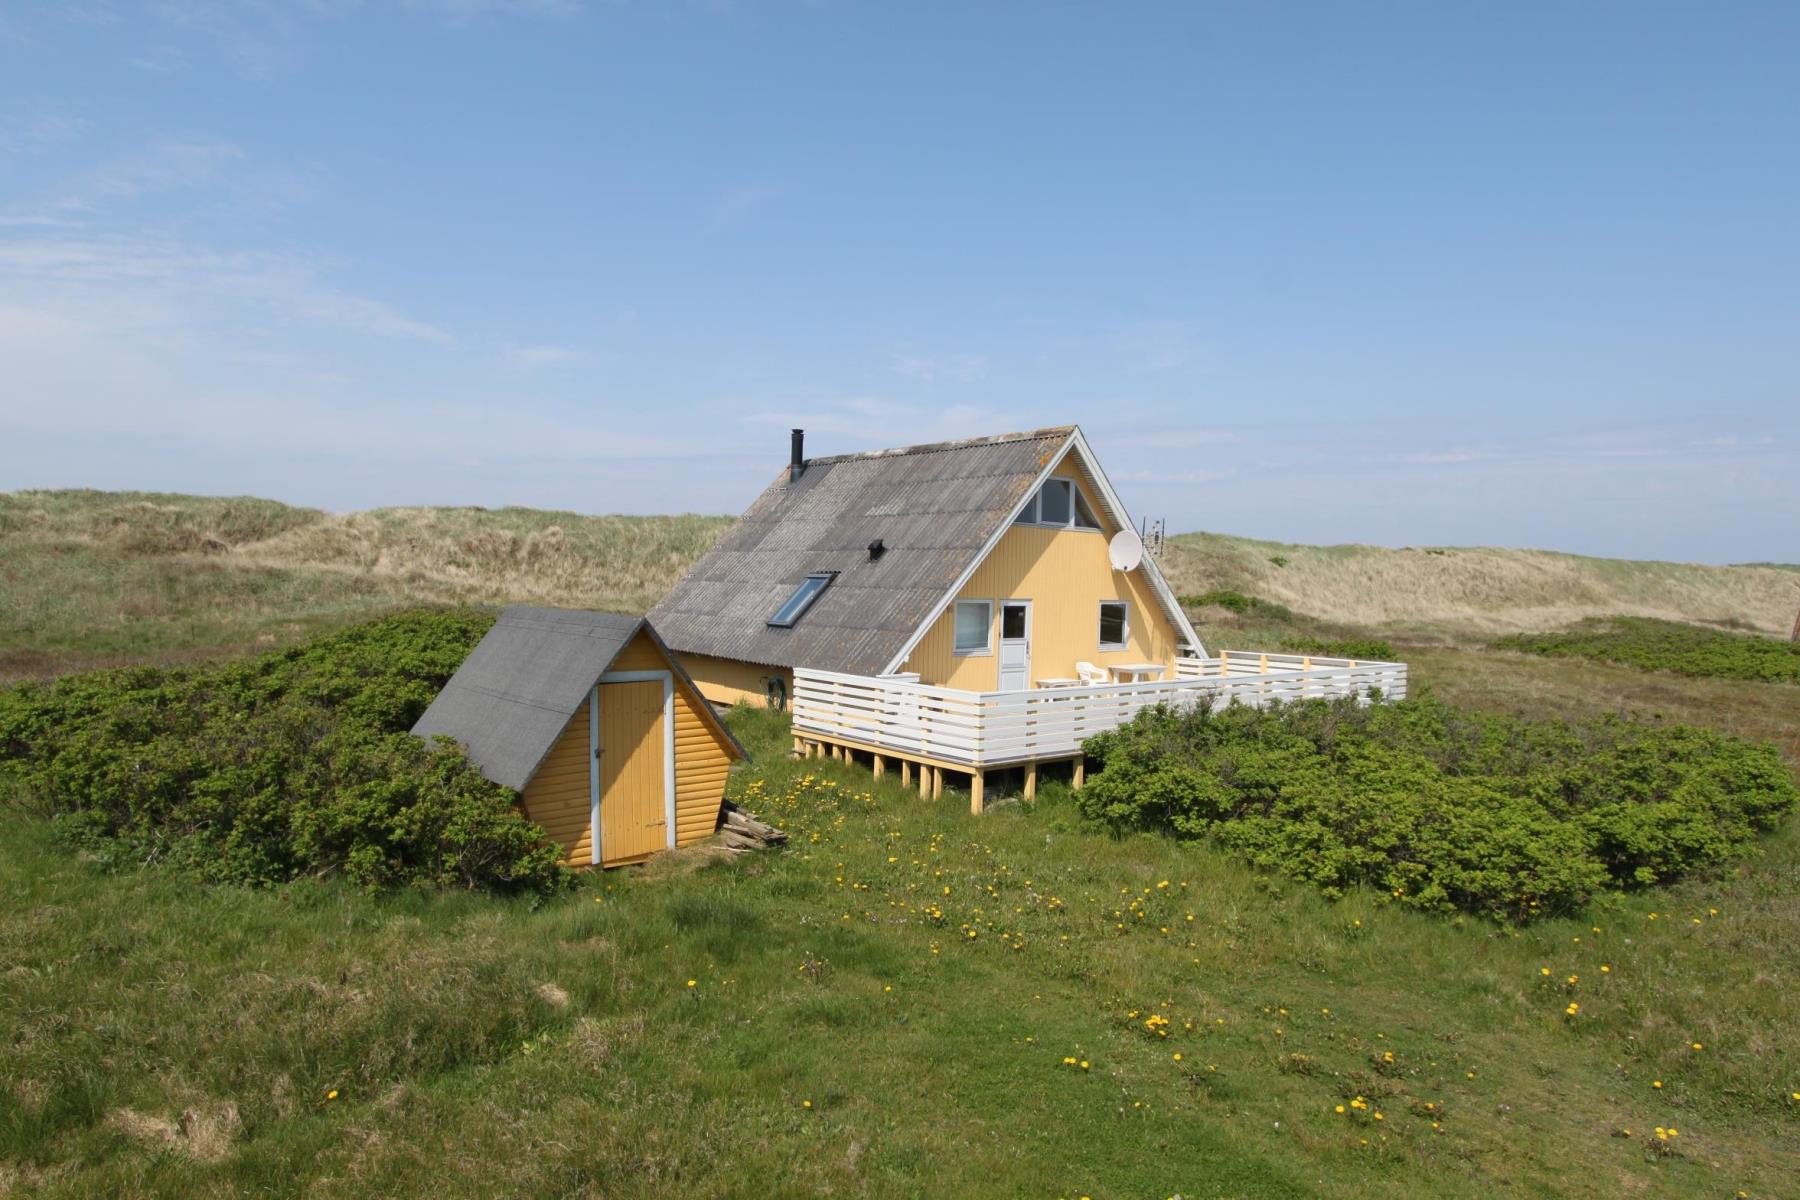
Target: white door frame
[1000, 656]
[667, 679]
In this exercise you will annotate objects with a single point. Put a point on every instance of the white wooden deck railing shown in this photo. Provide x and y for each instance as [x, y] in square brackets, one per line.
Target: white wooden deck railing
[987, 729]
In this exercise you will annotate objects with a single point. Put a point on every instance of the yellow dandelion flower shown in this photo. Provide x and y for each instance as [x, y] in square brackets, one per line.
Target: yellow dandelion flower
[806, 1104]
[693, 983]
[332, 1094]
[1178, 1056]
[1656, 1083]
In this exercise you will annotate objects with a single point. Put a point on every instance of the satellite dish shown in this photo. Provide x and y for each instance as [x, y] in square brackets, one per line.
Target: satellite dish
[1126, 550]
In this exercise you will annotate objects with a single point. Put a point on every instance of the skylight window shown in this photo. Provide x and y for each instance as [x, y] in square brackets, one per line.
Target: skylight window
[796, 605]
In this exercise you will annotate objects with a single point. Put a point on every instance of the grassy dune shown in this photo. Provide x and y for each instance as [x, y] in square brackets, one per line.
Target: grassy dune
[885, 1008]
[1459, 592]
[102, 578]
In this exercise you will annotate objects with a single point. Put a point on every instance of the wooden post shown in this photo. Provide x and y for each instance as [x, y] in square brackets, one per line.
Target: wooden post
[906, 772]
[1080, 771]
[924, 782]
[977, 779]
[1031, 780]
[1224, 662]
[937, 783]
[1263, 666]
[880, 767]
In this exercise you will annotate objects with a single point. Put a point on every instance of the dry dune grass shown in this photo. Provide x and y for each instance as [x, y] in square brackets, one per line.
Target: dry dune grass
[508, 554]
[102, 578]
[1480, 590]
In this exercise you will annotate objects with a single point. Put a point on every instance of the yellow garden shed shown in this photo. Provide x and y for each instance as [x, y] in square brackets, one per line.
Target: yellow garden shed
[593, 722]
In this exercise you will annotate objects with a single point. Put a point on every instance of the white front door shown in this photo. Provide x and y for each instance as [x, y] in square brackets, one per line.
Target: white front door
[1015, 645]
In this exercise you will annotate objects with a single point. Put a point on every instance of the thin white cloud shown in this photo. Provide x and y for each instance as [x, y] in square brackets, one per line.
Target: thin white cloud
[547, 356]
[33, 129]
[1172, 439]
[1146, 475]
[1442, 456]
[740, 203]
[868, 423]
[164, 166]
[1157, 346]
[464, 11]
[75, 273]
[933, 368]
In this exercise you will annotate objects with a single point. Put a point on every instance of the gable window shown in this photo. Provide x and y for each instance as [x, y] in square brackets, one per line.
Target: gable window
[974, 626]
[796, 605]
[1060, 505]
[1115, 625]
[1084, 516]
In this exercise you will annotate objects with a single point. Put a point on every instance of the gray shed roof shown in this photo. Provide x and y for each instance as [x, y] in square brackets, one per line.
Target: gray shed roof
[935, 507]
[516, 691]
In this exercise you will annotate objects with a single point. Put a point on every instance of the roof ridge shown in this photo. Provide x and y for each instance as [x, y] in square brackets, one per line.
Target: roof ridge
[996, 439]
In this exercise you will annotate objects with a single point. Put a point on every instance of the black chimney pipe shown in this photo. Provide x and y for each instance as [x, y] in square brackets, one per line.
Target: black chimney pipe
[797, 462]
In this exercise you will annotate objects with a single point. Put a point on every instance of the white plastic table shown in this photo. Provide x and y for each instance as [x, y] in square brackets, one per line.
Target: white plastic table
[1137, 672]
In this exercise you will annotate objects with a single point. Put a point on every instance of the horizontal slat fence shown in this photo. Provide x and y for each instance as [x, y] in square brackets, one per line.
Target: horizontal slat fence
[989, 729]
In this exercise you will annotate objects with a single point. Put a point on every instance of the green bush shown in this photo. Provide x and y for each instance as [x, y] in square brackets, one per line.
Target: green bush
[1440, 809]
[266, 769]
[1668, 646]
[1239, 603]
[1359, 648]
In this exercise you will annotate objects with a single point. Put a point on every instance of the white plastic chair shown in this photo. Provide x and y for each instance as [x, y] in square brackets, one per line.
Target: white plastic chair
[1090, 674]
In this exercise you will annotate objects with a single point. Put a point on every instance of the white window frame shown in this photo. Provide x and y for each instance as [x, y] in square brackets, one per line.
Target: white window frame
[987, 647]
[1029, 515]
[1124, 642]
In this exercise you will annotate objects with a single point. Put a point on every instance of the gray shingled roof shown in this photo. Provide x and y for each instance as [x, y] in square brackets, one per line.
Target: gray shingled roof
[518, 688]
[935, 507]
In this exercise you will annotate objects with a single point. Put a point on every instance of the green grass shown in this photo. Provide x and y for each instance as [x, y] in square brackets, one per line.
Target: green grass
[167, 1038]
[170, 1039]
[1668, 646]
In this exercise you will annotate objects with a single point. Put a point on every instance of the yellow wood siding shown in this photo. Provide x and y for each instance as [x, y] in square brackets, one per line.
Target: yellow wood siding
[728, 681]
[1065, 573]
[634, 819]
[702, 756]
[558, 797]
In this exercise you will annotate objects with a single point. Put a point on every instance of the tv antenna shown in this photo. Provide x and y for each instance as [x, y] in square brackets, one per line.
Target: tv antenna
[1151, 531]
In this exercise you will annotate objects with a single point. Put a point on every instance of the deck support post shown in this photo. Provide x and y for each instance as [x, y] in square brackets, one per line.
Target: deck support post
[977, 785]
[924, 782]
[937, 783]
[1031, 780]
[1080, 771]
[879, 766]
[906, 772]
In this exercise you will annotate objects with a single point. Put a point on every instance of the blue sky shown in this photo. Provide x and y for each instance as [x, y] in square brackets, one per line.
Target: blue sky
[1512, 274]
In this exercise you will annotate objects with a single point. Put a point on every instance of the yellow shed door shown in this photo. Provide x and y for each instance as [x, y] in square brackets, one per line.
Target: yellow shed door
[634, 819]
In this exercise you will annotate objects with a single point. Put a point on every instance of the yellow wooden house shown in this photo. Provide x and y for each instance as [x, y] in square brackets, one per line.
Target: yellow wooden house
[987, 565]
[610, 745]
[958, 606]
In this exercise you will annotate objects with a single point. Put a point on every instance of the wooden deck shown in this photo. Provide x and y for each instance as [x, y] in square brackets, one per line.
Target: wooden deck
[939, 728]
